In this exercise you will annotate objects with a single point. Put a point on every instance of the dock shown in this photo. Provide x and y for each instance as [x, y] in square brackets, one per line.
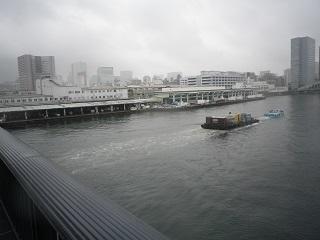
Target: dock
[15, 115]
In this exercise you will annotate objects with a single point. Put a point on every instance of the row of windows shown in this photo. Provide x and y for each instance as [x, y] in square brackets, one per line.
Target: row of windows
[100, 91]
[218, 81]
[96, 91]
[95, 97]
[25, 100]
[239, 78]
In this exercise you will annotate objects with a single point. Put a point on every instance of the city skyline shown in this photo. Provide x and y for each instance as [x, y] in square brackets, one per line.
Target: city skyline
[225, 36]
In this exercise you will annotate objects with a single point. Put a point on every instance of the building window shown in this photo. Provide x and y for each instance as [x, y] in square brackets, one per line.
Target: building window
[30, 99]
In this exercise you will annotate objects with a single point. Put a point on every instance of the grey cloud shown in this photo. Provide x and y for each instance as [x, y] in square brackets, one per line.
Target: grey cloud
[152, 36]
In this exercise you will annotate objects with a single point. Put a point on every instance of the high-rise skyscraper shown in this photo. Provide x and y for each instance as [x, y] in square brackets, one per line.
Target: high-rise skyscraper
[78, 75]
[31, 68]
[105, 76]
[302, 62]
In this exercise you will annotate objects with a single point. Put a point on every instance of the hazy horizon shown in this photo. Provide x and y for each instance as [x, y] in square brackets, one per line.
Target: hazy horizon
[156, 37]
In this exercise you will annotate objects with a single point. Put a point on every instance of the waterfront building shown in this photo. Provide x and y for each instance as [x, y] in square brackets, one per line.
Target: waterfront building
[105, 76]
[31, 68]
[126, 77]
[183, 81]
[78, 75]
[142, 91]
[203, 94]
[24, 99]
[59, 92]
[302, 62]
[214, 78]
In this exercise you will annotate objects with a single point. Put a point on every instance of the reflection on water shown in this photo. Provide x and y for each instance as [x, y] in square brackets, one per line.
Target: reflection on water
[257, 182]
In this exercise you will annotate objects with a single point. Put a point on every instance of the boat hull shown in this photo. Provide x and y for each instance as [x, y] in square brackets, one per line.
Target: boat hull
[227, 127]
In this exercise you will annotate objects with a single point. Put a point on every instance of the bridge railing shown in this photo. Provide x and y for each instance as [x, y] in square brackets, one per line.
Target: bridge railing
[45, 203]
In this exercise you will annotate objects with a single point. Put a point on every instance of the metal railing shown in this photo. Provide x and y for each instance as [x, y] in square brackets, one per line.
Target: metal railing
[45, 203]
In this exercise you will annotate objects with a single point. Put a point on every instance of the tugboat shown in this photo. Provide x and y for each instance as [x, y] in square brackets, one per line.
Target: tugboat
[229, 121]
[274, 113]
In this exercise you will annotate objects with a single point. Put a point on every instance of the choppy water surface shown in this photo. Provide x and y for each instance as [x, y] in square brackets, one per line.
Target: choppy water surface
[258, 182]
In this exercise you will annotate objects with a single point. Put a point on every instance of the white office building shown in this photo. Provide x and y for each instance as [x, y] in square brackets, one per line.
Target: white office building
[214, 78]
[48, 86]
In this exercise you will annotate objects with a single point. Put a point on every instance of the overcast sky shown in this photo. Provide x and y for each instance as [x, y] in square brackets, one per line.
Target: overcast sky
[156, 36]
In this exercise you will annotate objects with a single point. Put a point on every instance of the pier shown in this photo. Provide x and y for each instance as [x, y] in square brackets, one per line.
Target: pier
[16, 115]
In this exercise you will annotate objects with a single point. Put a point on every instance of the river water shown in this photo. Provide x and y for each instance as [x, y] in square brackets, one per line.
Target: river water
[258, 182]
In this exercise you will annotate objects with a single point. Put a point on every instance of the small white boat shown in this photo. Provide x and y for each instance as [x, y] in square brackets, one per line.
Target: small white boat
[274, 113]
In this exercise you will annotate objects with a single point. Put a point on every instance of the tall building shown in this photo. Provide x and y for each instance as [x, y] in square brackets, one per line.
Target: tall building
[316, 73]
[105, 76]
[126, 77]
[31, 68]
[302, 62]
[287, 76]
[78, 75]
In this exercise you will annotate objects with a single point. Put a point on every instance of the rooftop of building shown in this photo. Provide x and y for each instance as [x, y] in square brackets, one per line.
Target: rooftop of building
[6, 96]
[71, 105]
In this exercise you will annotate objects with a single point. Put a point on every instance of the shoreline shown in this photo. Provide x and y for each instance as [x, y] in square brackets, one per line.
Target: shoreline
[24, 122]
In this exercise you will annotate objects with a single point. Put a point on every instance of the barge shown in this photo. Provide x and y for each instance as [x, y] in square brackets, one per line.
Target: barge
[229, 121]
